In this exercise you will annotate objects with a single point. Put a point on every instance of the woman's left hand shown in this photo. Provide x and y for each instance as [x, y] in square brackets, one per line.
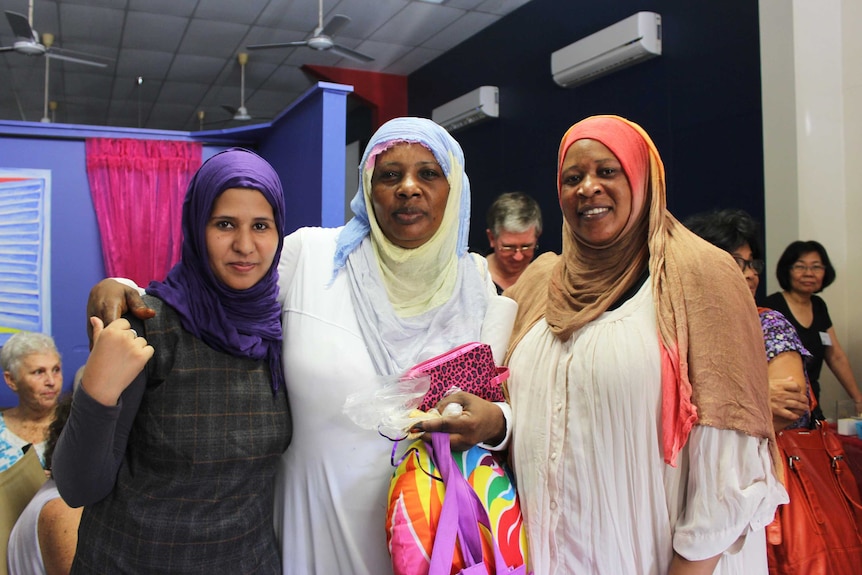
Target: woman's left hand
[118, 356]
[480, 422]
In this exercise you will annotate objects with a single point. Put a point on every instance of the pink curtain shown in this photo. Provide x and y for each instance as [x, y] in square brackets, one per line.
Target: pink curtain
[138, 188]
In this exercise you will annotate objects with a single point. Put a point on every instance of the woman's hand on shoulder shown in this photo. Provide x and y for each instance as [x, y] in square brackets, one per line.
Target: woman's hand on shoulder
[119, 354]
[110, 299]
[480, 421]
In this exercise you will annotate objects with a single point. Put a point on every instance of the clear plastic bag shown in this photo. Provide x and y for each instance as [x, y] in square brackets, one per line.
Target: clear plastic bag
[392, 409]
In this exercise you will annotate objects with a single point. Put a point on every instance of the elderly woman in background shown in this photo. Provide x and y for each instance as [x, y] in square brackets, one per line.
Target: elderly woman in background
[736, 233]
[804, 270]
[33, 370]
[514, 226]
[361, 304]
[46, 534]
[642, 440]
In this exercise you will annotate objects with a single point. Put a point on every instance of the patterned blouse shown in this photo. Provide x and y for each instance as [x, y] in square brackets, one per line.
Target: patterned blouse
[780, 336]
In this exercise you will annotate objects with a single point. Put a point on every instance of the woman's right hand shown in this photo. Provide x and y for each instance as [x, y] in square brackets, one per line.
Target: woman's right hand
[788, 401]
[479, 421]
[110, 299]
[787, 389]
[119, 354]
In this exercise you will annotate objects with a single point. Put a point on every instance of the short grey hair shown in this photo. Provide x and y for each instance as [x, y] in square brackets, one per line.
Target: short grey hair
[514, 212]
[22, 344]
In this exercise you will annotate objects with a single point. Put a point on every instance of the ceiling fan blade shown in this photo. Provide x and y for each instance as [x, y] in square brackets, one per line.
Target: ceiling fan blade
[277, 45]
[337, 22]
[229, 109]
[6, 48]
[78, 54]
[221, 122]
[20, 26]
[348, 53]
[54, 56]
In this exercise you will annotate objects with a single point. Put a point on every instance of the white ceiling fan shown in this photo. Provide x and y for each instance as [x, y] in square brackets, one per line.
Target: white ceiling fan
[240, 114]
[321, 38]
[27, 41]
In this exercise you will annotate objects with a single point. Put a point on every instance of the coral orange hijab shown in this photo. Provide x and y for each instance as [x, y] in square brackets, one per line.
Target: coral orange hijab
[713, 364]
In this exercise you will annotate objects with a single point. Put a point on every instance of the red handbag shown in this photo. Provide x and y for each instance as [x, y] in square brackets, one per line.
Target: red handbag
[820, 531]
[469, 367]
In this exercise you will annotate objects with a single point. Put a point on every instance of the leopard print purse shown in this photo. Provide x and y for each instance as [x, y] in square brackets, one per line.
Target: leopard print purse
[469, 367]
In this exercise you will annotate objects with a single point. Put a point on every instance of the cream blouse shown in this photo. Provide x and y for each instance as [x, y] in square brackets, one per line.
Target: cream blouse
[596, 494]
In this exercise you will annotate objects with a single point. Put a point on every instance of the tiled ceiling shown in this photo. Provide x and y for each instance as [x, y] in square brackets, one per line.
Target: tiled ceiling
[185, 52]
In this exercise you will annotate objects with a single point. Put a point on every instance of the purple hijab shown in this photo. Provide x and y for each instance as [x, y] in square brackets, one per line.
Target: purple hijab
[244, 323]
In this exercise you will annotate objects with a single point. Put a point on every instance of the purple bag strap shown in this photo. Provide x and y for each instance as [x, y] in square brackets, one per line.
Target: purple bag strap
[460, 517]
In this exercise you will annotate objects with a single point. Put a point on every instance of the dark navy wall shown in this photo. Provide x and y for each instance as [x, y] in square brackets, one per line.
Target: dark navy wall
[700, 102]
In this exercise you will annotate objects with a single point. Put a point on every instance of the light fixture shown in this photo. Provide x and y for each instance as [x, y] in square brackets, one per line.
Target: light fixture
[140, 82]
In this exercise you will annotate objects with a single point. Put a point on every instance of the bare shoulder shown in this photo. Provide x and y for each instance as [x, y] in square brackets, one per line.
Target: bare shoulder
[58, 535]
[55, 511]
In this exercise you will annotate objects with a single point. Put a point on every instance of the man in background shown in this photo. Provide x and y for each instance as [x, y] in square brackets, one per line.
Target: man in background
[514, 226]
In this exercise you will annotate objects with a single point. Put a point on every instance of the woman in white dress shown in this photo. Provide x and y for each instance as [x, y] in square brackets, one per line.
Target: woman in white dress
[393, 287]
[642, 440]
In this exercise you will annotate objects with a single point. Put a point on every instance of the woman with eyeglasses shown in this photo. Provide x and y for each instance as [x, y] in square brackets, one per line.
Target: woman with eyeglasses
[737, 233]
[804, 270]
[514, 227]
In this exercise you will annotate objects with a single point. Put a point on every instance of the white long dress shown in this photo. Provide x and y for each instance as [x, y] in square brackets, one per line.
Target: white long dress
[330, 459]
[595, 491]
[332, 488]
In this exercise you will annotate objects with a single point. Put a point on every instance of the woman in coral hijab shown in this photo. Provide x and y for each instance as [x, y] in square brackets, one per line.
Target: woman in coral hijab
[642, 439]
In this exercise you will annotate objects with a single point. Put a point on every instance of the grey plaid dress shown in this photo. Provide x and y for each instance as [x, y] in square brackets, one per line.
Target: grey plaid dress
[194, 493]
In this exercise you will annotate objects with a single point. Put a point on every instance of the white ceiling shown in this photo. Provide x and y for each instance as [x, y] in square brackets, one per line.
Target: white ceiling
[186, 53]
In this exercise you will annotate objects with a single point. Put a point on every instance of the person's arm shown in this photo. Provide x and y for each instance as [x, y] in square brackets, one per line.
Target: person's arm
[681, 566]
[787, 396]
[839, 363]
[58, 536]
[110, 299]
[93, 443]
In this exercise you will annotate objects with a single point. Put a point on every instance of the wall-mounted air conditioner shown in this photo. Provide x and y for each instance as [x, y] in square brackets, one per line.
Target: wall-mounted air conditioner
[480, 104]
[629, 41]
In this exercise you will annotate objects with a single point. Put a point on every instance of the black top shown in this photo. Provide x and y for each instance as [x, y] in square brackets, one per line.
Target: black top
[179, 476]
[810, 336]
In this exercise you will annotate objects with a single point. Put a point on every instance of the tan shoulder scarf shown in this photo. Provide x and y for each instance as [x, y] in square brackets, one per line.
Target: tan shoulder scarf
[712, 356]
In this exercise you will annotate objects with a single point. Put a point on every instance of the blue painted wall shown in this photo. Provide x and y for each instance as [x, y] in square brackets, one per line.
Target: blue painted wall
[76, 254]
[296, 143]
[308, 151]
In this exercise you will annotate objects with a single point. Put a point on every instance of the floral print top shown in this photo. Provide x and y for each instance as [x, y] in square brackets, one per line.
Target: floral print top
[780, 336]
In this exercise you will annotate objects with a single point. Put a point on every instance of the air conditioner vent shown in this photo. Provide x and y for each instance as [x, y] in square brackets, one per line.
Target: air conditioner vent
[629, 41]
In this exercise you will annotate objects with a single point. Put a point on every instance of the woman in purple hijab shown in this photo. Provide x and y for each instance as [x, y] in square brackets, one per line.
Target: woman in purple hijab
[179, 424]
